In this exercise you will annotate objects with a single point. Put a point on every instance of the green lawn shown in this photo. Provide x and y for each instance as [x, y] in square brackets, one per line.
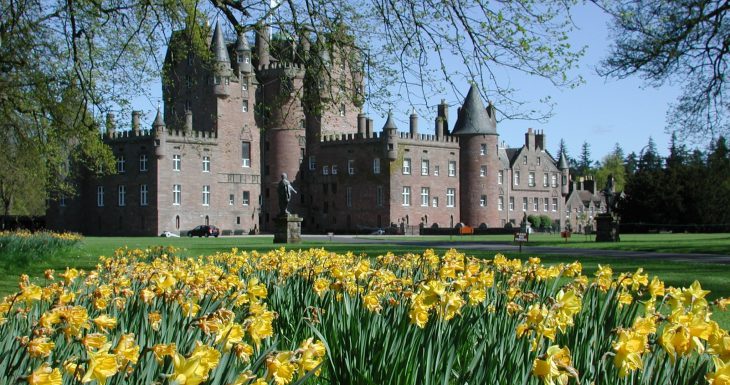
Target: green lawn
[714, 277]
[669, 243]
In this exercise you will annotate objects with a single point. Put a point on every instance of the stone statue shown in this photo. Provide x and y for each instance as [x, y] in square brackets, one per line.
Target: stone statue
[610, 194]
[285, 190]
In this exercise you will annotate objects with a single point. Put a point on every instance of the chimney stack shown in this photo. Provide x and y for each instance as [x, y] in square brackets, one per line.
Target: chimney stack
[361, 119]
[414, 124]
[368, 128]
[188, 122]
[135, 121]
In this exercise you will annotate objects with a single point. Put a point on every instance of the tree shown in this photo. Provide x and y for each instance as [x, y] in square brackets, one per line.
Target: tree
[612, 164]
[682, 41]
[585, 163]
[562, 149]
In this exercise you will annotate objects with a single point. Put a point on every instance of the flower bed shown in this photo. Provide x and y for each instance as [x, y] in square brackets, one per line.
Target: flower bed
[318, 317]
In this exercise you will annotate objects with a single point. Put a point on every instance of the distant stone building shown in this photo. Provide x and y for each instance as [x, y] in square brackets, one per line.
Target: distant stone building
[232, 125]
[582, 205]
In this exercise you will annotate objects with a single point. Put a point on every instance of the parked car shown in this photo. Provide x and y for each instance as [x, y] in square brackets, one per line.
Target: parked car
[378, 232]
[168, 234]
[204, 231]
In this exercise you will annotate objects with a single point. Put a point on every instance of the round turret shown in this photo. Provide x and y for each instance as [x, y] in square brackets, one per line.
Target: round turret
[391, 131]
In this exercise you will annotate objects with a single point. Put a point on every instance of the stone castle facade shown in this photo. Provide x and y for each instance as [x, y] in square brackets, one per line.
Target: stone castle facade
[232, 124]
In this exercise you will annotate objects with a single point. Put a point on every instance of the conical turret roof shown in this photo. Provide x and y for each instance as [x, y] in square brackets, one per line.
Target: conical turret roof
[159, 122]
[473, 118]
[218, 46]
[242, 42]
[389, 124]
[562, 161]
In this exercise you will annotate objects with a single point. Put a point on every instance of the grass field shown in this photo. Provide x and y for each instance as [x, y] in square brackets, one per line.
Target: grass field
[714, 277]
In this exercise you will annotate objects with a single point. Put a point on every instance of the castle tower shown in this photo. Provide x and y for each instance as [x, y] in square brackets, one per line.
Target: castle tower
[476, 128]
[221, 64]
[391, 138]
[564, 174]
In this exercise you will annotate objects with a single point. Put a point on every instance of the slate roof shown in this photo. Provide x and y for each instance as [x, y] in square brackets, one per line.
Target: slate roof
[562, 162]
[218, 46]
[473, 118]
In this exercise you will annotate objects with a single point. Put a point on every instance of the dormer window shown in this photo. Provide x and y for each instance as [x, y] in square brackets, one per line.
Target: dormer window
[239, 58]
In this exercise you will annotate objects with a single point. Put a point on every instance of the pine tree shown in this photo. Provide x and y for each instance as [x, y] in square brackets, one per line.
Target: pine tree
[585, 163]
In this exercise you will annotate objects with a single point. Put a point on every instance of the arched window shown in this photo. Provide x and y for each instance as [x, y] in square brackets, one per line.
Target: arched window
[177, 222]
[206, 220]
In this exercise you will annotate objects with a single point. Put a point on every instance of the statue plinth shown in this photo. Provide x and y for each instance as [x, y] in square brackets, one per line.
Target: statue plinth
[288, 228]
[606, 228]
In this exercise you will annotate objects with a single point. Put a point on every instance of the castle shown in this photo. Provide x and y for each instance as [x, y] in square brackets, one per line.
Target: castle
[234, 122]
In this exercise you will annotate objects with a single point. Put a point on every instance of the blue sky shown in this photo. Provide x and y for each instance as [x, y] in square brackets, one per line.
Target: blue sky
[601, 111]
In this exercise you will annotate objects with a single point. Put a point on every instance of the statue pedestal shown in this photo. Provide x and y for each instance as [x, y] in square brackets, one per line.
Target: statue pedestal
[606, 228]
[288, 229]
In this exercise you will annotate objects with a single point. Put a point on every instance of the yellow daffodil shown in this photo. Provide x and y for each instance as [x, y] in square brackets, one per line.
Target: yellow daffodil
[195, 369]
[721, 375]
[105, 322]
[281, 367]
[40, 347]
[101, 365]
[45, 375]
[628, 351]
[127, 349]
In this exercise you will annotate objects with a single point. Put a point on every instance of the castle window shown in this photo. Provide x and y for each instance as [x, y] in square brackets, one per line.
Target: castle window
[246, 154]
[302, 124]
[176, 160]
[334, 169]
[511, 203]
[517, 178]
[312, 163]
[342, 109]
[244, 105]
[62, 201]
[231, 199]
[435, 202]
[121, 162]
[246, 199]
[143, 195]
[239, 58]
[483, 201]
[483, 171]
[539, 160]
[176, 194]
[545, 180]
[206, 195]
[524, 204]
[531, 179]
[348, 196]
[351, 166]
[122, 196]
[217, 80]
[206, 164]
[535, 204]
[555, 204]
[424, 167]
[483, 149]
[500, 177]
[425, 193]
[500, 203]
[406, 195]
[524, 159]
[244, 84]
[554, 180]
[546, 204]
[376, 166]
[450, 197]
[452, 168]
[325, 170]
[436, 170]
[565, 180]
[100, 196]
[379, 196]
[406, 166]
[143, 162]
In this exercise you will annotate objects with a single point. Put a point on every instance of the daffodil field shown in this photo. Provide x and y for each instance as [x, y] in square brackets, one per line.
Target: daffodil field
[317, 317]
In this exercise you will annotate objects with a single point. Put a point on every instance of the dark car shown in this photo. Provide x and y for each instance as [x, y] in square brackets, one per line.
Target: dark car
[204, 231]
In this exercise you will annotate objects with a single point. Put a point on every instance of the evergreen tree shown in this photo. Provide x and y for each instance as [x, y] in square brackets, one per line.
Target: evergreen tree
[585, 163]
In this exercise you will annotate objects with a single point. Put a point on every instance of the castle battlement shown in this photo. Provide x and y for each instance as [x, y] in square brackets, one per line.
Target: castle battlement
[126, 134]
[350, 138]
[281, 68]
[181, 133]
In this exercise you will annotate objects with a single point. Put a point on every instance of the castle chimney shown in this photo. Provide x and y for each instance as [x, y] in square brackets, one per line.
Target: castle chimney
[540, 140]
[530, 139]
[439, 127]
[110, 126]
[368, 128]
[135, 122]
[414, 124]
[188, 122]
[361, 125]
[443, 111]
[262, 46]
